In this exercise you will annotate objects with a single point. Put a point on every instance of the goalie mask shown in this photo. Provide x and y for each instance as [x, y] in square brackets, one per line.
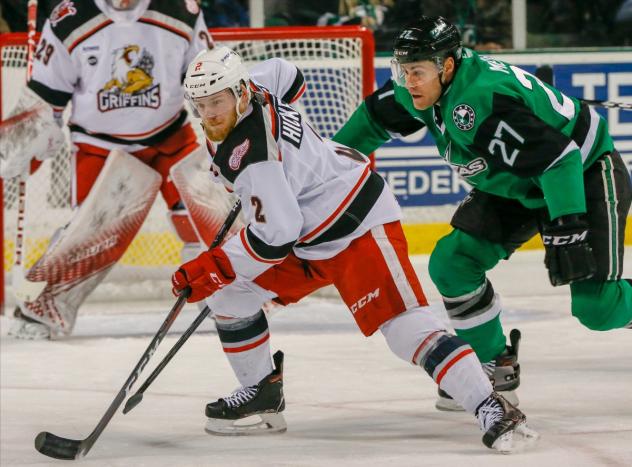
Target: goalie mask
[123, 5]
[429, 40]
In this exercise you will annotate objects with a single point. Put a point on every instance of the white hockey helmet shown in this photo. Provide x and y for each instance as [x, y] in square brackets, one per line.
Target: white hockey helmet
[212, 71]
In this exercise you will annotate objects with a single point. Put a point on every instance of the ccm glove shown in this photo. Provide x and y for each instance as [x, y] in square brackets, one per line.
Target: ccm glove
[204, 276]
[568, 255]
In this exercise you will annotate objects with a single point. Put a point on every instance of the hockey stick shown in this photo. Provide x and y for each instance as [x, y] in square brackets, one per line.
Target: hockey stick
[18, 276]
[134, 400]
[545, 73]
[64, 448]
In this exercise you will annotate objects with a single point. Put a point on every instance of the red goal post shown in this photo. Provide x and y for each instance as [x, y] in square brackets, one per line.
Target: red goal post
[337, 62]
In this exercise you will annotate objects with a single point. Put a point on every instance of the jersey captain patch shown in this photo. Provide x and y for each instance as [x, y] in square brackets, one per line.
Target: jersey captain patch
[463, 116]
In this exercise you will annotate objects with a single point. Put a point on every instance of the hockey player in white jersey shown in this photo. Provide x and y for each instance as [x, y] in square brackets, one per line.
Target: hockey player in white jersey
[317, 214]
[121, 64]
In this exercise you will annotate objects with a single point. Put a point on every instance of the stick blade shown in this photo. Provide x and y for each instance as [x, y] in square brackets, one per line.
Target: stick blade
[54, 446]
[132, 402]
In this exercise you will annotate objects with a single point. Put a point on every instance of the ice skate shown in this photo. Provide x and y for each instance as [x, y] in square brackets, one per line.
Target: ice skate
[27, 328]
[504, 425]
[503, 372]
[263, 402]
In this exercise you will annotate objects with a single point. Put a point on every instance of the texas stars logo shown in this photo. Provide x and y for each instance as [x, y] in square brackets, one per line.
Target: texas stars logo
[463, 116]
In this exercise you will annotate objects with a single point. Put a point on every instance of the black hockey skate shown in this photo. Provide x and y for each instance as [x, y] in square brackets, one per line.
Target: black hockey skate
[503, 372]
[505, 426]
[265, 401]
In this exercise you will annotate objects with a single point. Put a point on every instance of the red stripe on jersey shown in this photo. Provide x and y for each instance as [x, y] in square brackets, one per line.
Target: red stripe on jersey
[251, 252]
[273, 115]
[299, 93]
[422, 345]
[345, 202]
[252, 345]
[166, 26]
[150, 132]
[452, 362]
[92, 31]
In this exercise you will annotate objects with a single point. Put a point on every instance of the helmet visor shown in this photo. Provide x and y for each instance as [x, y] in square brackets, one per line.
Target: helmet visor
[415, 73]
[215, 105]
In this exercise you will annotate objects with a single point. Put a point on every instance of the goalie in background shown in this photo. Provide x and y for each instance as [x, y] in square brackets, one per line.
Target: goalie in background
[316, 214]
[538, 162]
[121, 63]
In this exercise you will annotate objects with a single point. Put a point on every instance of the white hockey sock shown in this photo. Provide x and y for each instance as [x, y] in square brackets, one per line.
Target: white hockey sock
[466, 382]
[418, 337]
[246, 342]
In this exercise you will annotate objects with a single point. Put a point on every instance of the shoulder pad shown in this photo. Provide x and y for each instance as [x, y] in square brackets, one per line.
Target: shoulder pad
[245, 145]
[68, 16]
[186, 11]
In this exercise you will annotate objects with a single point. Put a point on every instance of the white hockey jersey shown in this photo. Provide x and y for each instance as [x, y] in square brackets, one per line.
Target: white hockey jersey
[122, 69]
[299, 191]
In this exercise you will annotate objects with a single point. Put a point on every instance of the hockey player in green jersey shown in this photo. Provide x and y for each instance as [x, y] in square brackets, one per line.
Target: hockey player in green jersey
[537, 160]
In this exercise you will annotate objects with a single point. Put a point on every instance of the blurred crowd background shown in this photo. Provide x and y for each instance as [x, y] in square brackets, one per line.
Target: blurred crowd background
[485, 24]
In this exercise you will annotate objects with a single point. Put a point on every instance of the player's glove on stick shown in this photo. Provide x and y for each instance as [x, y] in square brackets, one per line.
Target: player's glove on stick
[568, 255]
[205, 275]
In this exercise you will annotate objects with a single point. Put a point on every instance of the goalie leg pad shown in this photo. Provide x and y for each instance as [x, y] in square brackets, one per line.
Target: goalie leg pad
[207, 203]
[181, 223]
[94, 240]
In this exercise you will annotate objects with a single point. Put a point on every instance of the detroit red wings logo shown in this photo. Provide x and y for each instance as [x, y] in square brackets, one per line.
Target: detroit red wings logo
[61, 11]
[238, 154]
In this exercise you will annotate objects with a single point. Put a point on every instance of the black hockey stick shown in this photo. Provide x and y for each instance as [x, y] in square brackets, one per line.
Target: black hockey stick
[138, 397]
[64, 448]
[545, 73]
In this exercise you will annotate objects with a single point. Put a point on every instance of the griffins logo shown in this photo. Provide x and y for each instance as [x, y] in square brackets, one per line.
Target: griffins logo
[132, 83]
[463, 116]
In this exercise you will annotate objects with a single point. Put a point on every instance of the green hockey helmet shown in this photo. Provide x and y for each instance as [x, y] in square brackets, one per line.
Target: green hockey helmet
[428, 38]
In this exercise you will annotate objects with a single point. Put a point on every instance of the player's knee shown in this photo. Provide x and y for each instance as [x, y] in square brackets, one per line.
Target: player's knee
[599, 305]
[181, 222]
[406, 332]
[440, 265]
[459, 258]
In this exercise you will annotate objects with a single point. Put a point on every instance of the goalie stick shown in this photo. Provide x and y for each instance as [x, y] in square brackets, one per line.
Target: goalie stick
[65, 448]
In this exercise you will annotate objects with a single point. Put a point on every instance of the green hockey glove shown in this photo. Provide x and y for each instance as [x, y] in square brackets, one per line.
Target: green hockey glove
[568, 255]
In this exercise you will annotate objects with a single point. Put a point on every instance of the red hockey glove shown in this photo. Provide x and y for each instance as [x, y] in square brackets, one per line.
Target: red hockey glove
[205, 275]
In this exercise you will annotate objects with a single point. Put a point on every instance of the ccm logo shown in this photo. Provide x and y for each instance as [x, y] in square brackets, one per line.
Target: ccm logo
[364, 300]
[564, 239]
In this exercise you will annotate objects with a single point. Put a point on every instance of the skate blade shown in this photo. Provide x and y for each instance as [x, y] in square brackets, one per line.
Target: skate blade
[261, 424]
[448, 405]
[519, 439]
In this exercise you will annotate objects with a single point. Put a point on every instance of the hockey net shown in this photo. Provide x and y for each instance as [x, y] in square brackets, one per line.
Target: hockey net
[337, 63]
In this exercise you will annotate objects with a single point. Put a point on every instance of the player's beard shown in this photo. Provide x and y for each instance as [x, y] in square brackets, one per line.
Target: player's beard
[218, 131]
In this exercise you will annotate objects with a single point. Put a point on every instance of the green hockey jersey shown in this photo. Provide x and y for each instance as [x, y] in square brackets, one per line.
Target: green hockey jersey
[502, 129]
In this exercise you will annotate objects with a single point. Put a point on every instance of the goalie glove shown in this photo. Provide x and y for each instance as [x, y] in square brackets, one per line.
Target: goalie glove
[30, 132]
[205, 275]
[568, 255]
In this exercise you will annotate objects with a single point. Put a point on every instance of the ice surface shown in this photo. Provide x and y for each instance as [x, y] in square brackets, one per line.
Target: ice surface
[350, 401]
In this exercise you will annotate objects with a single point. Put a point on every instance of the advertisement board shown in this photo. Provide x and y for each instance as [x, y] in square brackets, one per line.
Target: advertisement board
[421, 179]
